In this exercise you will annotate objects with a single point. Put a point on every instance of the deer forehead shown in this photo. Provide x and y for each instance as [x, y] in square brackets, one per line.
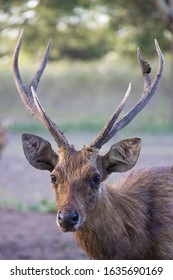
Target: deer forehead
[76, 163]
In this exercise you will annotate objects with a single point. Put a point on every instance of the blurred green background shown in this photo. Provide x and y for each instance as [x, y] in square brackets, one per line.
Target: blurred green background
[92, 60]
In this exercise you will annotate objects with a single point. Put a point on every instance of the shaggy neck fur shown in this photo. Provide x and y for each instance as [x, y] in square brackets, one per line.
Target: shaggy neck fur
[121, 225]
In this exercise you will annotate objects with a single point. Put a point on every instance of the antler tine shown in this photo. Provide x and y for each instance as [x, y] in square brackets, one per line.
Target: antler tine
[29, 96]
[102, 136]
[149, 90]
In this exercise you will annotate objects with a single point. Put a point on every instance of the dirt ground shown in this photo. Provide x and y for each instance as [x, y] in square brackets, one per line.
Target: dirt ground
[34, 235]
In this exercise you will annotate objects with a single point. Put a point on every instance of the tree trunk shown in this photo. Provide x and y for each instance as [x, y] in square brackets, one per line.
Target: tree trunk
[166, 9]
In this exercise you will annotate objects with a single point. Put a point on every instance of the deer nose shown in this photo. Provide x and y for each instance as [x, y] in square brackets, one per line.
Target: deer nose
[67, 219]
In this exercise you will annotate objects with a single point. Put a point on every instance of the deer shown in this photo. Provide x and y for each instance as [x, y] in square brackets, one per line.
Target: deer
[129, 219]
[4, 125]
[2, 139]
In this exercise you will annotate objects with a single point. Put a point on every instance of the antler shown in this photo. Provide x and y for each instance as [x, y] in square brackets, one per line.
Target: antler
[29, 96]
[32, 103]
[112, 127]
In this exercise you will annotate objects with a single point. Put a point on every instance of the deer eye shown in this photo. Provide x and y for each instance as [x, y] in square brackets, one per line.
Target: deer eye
[53, 179]
[95, 180]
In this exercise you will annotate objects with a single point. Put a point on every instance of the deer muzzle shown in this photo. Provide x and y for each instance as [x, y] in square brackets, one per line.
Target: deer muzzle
[68, 220]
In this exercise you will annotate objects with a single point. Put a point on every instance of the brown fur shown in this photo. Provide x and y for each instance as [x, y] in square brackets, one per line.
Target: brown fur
[2, 139]
[133, 220]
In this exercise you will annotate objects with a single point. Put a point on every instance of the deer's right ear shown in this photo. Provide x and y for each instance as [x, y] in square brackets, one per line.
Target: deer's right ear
[122, 156]
[39, 152]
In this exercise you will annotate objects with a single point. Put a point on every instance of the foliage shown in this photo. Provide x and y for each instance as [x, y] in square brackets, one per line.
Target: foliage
[83, 29]
[142, 21]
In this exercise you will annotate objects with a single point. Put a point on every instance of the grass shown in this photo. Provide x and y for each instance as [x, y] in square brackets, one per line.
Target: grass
[44, 206]
[146, 125]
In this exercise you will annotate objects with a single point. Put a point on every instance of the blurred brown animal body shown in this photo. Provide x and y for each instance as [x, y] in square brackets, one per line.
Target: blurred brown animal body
[2, 139]
[131, 220]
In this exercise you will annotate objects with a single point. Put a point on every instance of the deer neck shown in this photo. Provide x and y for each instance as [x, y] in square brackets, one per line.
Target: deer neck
[111, 231]
[102, 227]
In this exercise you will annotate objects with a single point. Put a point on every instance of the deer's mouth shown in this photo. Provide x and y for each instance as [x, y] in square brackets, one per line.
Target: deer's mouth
[68, 228]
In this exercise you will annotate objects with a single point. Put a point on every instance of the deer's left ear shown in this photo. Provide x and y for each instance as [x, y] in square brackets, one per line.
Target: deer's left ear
[122, 156]
[39, 152]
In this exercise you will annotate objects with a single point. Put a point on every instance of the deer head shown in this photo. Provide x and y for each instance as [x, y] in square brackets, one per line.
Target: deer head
[77, 176]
